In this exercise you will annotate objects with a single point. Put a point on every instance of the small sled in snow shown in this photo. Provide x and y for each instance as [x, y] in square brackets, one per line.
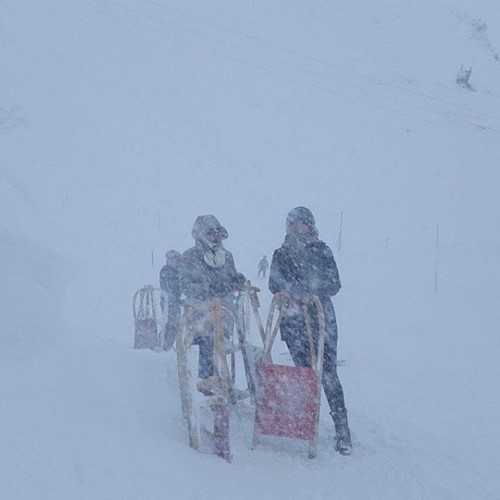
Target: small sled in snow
[148, 328]
[206, 407]
[288, 397]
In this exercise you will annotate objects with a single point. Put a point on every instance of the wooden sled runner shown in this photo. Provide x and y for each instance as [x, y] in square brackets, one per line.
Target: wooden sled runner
[206, 410]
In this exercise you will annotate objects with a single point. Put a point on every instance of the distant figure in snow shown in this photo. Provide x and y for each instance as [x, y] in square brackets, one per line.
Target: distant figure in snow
[263, 267]
[208, 272]
[171, 295]
[305, 265]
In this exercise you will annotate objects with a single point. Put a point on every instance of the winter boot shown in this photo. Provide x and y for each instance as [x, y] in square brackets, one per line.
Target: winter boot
[342, 434]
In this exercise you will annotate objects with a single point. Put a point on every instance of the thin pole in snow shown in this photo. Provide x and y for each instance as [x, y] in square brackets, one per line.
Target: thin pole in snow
[436, 264]
[152, 258]
[339, 242]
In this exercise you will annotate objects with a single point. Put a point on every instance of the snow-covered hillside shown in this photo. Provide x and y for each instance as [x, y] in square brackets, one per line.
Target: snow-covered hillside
[122, 120]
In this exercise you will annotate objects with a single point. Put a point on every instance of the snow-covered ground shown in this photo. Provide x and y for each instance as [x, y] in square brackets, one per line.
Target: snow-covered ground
[122, 120]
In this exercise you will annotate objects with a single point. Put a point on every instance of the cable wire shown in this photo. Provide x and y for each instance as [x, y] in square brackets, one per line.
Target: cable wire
[281, 75]
[298, 68]
[320, 61]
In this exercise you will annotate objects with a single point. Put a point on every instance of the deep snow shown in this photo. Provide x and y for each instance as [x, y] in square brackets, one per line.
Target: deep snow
[122, 120]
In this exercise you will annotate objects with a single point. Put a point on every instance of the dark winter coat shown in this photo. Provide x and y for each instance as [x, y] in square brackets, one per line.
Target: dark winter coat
[207, 271]
[171, 296]
[169, 282]
[299, 267]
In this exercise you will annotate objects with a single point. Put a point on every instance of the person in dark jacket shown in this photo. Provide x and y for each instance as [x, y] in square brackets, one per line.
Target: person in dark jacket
[171, 295]
[305, 265]
[262, 267]
[208, 272]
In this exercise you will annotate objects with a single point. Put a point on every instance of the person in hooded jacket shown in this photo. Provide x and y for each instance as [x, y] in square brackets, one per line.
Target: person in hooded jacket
[305, 265]
[171, 295]
[208, 272]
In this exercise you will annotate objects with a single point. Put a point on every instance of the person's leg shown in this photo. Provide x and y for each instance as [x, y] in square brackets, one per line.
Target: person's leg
[206, 357]
[335, 397]
[296, 341]
[299, 351]
[331, 382]
[174, 314]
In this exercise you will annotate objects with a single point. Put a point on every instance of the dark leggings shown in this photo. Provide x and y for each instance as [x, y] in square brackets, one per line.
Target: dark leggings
[206, 357]
[299, 349]
[205, 343]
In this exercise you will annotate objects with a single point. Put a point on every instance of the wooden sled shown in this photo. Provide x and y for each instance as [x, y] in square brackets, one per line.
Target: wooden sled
[148, 333]
[288, 397]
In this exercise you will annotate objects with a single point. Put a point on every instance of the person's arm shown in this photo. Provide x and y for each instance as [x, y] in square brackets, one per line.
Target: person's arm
[276, 278]
[284, 275]
[163, 279]
[237, 280]
[325, 279]
[193, 281]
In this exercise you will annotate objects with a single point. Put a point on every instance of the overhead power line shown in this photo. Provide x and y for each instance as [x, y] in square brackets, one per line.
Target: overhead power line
[298, 68]
[276, 73]
[375, 79]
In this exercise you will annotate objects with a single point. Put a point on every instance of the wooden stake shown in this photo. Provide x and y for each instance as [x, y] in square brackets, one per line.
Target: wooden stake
[339, 242]
[436, 263]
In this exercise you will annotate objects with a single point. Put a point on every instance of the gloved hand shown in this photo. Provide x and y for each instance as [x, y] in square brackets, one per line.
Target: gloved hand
[239, 282]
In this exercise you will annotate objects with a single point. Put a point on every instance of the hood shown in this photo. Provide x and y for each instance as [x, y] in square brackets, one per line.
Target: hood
[173, 258]
[299, 214]
[204, 224]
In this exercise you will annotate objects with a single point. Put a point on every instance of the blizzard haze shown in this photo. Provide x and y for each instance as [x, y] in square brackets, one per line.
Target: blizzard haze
[122, 120]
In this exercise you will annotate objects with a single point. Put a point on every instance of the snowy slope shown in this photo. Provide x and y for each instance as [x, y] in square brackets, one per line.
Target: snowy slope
[122, 120]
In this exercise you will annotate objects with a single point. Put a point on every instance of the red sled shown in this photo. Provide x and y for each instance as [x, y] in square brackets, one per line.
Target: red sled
[288, 404]
[288, 398]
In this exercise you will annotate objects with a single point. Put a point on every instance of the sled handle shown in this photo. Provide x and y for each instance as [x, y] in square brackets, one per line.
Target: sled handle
[250, 297]
[281, 301]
